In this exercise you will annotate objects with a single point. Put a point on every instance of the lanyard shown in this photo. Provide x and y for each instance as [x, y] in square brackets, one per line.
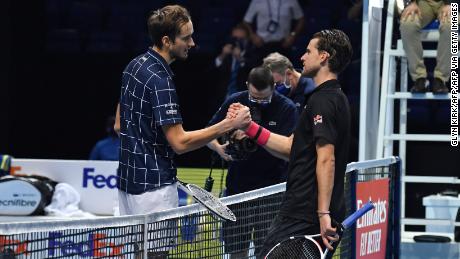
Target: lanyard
[270, 11]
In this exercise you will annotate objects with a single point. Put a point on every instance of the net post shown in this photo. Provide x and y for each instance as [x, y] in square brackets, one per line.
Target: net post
[396, 177]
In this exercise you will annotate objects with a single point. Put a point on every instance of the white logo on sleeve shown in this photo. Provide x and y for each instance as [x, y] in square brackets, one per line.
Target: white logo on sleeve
[318, 119]
[171, 112]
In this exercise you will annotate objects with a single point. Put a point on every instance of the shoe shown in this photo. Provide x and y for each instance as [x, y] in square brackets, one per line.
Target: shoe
[439, 87]
[420, 86]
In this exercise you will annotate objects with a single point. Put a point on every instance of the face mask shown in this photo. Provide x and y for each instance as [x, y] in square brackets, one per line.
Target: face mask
[283, 88]
[237, 42]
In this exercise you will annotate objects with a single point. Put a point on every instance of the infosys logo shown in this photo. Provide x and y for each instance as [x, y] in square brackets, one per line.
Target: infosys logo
[18, 202]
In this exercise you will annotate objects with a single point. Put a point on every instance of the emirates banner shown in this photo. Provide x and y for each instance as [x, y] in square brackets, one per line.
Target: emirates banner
[372, 228]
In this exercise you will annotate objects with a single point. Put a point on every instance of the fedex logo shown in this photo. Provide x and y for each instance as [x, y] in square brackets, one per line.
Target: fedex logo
[95, 246]
[97, 180]
[19, 247]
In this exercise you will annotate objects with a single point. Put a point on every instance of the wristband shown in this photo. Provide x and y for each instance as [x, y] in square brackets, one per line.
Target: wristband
[323, 212]
[263, 138]
[252, 130]
[258, 133]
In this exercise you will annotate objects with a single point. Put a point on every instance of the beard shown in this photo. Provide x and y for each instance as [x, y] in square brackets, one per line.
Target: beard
[310, 72]
[178, 54]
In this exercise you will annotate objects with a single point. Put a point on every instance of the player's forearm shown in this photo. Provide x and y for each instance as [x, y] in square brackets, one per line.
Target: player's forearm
[198, 138]
[183, 141]
[325, 168]
[279, 146]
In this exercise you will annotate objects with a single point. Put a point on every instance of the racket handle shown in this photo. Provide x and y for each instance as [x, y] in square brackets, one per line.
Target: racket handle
[337, 225]
[349, 221]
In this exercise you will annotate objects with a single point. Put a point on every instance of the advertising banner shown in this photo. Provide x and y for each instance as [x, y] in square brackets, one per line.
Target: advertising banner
[95, 181]
[371, 229]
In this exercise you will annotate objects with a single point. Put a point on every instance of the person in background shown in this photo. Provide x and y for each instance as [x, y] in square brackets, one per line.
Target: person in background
[273, 20]
[231, 62]
[414, 17]
[107, 148]
[288, 81]
[250, 167]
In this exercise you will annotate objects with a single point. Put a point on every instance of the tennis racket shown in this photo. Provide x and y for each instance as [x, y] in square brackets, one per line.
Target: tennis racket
[309, 247]
[208, 200]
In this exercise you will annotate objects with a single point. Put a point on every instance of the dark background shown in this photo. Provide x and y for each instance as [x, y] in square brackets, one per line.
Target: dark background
[61, 65]
[64, 60]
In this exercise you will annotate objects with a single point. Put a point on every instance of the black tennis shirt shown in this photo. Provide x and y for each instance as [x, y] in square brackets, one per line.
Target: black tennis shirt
[325, 119]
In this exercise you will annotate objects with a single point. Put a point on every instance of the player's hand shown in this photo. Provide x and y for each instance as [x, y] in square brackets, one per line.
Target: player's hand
[328, 233]
[220, 149]
[411, 11]
[241, 117]
[233, 110]
[444, 14]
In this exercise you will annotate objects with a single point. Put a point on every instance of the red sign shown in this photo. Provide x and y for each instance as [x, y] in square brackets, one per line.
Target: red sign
[371, 229]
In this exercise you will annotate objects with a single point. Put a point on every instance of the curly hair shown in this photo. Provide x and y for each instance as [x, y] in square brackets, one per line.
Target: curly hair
[337, 44]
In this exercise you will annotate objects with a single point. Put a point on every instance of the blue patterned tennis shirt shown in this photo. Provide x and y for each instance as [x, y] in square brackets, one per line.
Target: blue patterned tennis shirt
[148, 101]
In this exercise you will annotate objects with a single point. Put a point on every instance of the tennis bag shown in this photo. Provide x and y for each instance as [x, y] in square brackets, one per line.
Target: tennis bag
[25, 195]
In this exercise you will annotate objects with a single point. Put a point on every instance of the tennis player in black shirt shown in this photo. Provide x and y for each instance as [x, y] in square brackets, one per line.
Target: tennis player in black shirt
[318, 149]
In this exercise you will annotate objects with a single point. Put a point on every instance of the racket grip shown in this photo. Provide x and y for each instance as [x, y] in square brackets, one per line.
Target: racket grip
[357, 214]
[337, 225]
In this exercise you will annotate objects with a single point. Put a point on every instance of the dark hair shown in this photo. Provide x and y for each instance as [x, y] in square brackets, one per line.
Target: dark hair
[166, 21]
[243, 27]
[337, 44]
[261, 78]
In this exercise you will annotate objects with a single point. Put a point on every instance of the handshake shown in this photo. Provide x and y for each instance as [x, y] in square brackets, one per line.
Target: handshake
[239, 116]
[243, 134]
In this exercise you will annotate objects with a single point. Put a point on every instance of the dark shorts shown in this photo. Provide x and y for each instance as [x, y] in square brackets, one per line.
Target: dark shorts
[283, 228]
[252, 223]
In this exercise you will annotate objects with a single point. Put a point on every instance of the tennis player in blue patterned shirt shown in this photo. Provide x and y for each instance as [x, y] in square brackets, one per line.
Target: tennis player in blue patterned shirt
[151, 129]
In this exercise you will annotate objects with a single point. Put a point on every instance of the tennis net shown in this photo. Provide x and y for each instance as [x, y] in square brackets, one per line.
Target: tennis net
[192, 232]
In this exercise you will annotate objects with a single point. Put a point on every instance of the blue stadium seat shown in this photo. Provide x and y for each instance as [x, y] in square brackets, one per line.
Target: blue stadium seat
[127, 17]
[105, 42]
[57, 12]
[317, 19]
[63, 40]
[84, 17]
[138, 43]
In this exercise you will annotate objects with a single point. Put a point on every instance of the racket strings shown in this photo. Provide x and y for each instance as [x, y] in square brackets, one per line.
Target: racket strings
[296, 248]
[211, 202]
